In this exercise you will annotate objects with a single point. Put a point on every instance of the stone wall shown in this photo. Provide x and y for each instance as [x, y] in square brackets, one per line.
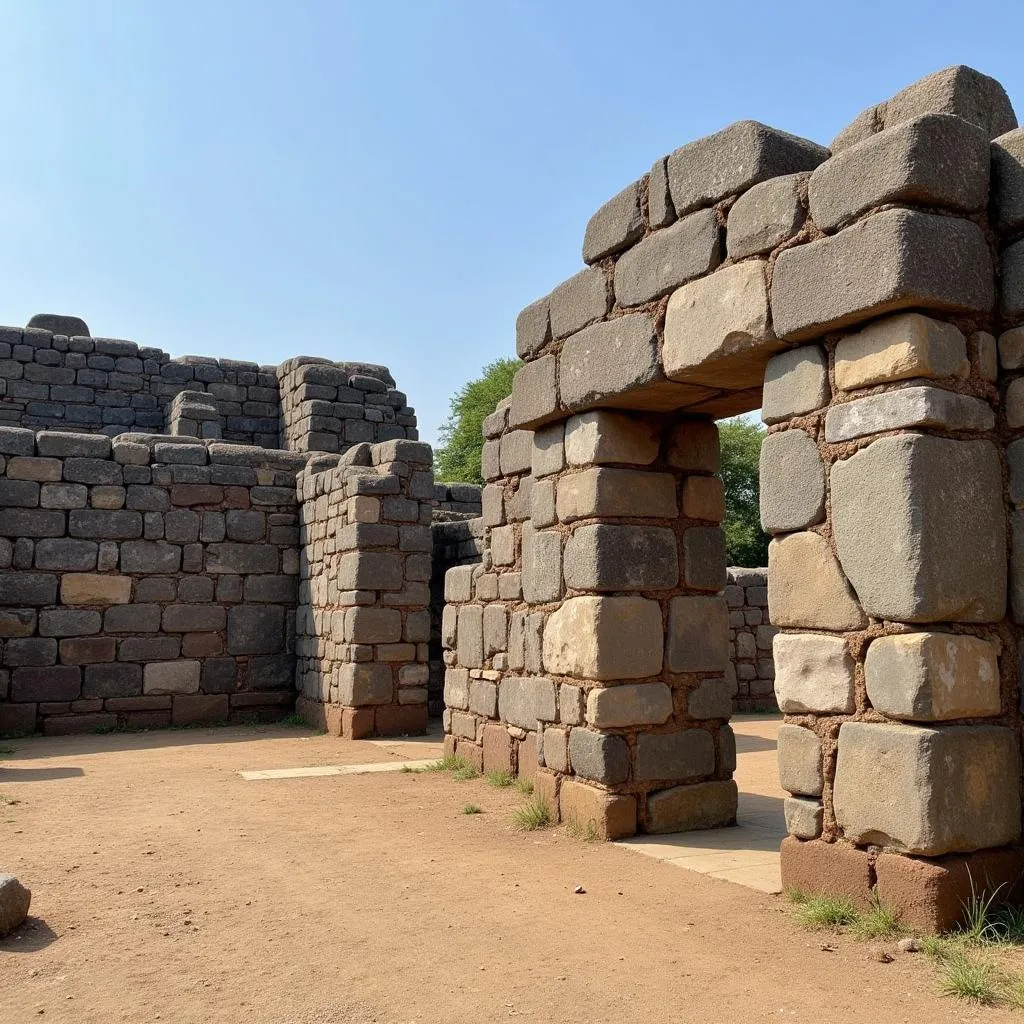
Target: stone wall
[364, 619]
[55, 380]
[144, 581]
[751, 671]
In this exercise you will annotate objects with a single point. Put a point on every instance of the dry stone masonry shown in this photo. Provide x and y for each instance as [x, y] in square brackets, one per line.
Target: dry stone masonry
[751, 670]
[869, 298]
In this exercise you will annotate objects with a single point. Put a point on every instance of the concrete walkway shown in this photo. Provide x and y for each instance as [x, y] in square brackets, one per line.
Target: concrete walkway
[749, 853]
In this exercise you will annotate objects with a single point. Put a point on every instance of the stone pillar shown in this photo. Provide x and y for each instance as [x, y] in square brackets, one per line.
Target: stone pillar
[887, 578]
[363, 623]
[602, 671]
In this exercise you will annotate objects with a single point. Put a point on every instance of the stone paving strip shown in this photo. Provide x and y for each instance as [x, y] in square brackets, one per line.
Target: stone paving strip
[333, 769]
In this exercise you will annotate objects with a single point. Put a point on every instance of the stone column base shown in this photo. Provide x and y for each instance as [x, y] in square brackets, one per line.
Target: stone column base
[359, 723]
[930, 894]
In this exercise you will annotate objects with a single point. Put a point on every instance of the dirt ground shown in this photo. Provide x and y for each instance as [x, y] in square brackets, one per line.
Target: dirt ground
[167, 888]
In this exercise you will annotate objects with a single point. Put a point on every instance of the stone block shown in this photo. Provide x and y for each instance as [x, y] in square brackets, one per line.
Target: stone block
[799, 755]
[370, 570]
[792, 482]
[920, 529]
[687, 754]
[595, 811]
[900, 347]
[931, 160]
[668, 258]
[704, 498]
[255, 629]
[17, 622]
[65, 554]
[150, 556]
[458, 583]
[935, 895]
[483, 698]
[365, 683]
[516, 452]
[471, 636]
[195, 709]
[581, 300]
[931, 677]
[927, 791]
[813, 674]
[704, 557]
[615, 226]
[456, 688]
[607, 360]
[685, 808]
[33, 650]
[112, 681]
[957, 90]
[711, 699]
[171, 677]
[534, 392]
[94, 589]
[542, 565]
[497, 749]
[47, 683]
[600, 557]
[548, 450]
[607, 491]
[808, 589]
[601, 437]
[766, 215]
[604, 638]
[693, 445]
[1008, 181]
[896, 259]
[1014, 404]
[803, 817]
[524, 702]
[617, 707]
[533, 328]
[718, 329]
[69, 622]
[554, 744]
[818, 868]
[730, 161]
[598, 756]
[909, 407]
[373, 625]
[698, 634]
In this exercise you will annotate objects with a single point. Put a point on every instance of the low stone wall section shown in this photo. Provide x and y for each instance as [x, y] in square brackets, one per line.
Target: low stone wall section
[146, 581]
[751, 674]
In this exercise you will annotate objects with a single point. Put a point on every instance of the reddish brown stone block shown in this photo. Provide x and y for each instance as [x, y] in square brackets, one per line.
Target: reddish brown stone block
[356, 723]
[497, 749]
[470, 753]
[608, 815]
[196, 494]
[17, 719]
[834, 869]
[69, 725]
[526, 757]
[147, 719]
[932, 894]
[400, 719]
[545, 789]
[449, 745]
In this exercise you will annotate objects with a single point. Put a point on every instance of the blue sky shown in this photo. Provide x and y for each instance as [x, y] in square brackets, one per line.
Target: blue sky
[392, 181]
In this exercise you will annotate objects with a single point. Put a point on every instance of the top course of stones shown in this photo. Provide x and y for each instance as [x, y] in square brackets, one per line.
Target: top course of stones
[740, 244]
[55, 376]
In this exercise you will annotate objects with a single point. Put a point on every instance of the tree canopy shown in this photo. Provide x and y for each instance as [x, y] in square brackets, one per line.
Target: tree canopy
[457, 458]
[745, 542]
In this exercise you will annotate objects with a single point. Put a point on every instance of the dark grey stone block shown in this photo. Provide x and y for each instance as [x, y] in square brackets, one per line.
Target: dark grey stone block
[599, 756]
[603, 557]
[688, 754]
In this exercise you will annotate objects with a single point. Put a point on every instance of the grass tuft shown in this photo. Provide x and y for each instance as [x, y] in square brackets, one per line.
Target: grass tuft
[880, 922]
[472, 809]
[972, 980]
[525, 786]
[823, 911]
[500, 780]
[532, 815]
[448, 763]
[465, 773]
[294, 719]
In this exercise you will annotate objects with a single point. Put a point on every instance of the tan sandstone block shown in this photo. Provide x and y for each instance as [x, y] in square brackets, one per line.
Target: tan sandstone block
[813, 673]
[718, 331]
[615, 707]
[683, 808]
[601, 436]
[608, 815]
[799, 756]
[604, 638]
[616, 492]
[704, 498]
[898, 348]
[91, 588]
[806, 586]
[930, 677]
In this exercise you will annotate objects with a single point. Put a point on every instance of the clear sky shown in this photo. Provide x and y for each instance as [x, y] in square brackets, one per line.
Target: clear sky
[392, 181]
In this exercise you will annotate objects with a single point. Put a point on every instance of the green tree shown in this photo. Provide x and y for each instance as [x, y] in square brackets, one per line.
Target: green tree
[457, 458]
[746, 543]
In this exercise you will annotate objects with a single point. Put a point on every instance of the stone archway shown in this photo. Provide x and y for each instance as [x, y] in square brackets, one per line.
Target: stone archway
[852, 295]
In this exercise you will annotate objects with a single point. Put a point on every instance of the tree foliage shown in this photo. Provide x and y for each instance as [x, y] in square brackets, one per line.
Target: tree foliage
[746, 543]
[457, 458]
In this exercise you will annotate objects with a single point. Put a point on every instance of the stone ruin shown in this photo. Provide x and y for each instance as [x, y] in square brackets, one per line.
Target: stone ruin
[194, 539]
[855, 294]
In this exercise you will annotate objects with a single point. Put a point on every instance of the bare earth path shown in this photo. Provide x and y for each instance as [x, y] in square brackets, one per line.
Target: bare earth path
[167, 888]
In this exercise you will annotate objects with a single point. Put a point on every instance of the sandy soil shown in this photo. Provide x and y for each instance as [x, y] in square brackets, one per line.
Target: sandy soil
[167, 888]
